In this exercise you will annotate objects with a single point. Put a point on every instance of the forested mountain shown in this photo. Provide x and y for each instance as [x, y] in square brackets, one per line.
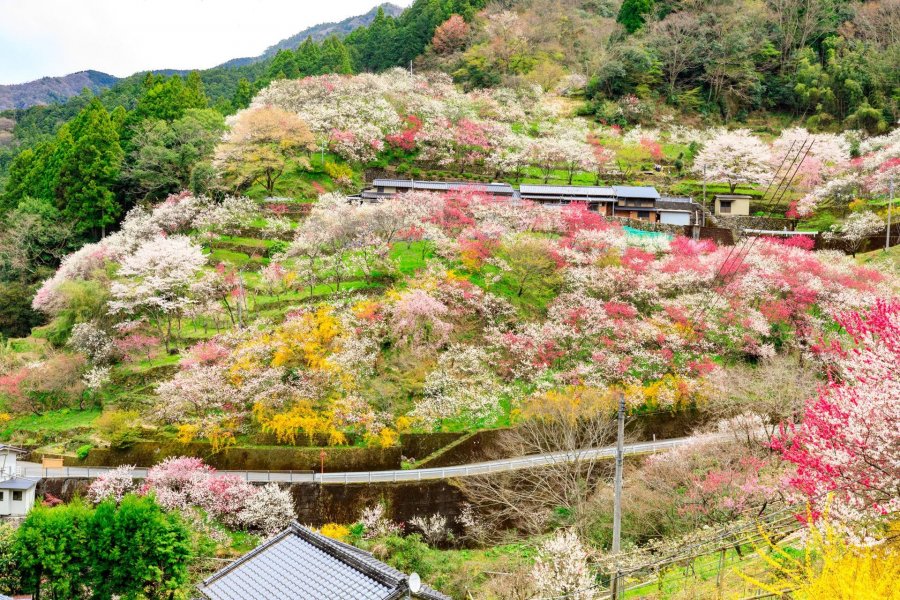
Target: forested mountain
[47, 90]
[319, 33]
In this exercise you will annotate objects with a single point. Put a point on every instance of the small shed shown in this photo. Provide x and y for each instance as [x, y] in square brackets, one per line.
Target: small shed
[300, 564]
[733, 205]
[9, 456]
[16, 496]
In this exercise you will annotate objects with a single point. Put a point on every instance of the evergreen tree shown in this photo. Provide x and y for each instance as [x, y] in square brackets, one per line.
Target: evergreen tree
[242, 95]
[194, 92]
[283, 66]
[335, 57]
[309, 58]
[633, 14]
[90, 170]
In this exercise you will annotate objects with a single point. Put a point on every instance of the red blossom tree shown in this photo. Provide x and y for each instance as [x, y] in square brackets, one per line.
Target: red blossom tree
[450, 35]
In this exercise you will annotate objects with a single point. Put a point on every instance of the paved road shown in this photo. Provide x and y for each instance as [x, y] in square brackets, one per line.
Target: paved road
[34, 470]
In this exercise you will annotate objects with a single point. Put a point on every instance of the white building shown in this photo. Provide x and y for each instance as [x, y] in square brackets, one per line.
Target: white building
[16, 492]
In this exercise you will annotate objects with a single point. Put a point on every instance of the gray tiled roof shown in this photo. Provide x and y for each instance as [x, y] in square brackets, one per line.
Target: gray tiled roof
[633, 191]
[299, 564]
[567, 190]
[5, 447]
[443, 185]
[17, 484]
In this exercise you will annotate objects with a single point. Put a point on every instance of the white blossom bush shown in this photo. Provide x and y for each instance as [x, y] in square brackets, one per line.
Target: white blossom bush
[376, 524]
[227, 217]
[94, 343]
[114, 484]
[434, 528]
[562, 569]
[269, 510]
[96, 377]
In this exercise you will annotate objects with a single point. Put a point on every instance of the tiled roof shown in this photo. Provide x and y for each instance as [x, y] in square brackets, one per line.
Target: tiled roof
[17, 484]
[633, 191]
[567, 190]
[685, 204]
[299, 564]
[443, 185]
[5, 447]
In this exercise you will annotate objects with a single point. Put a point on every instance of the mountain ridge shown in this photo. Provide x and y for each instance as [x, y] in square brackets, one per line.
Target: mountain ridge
[53, 89]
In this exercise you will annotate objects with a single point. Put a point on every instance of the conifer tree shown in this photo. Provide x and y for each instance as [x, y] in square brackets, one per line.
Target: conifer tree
[90, 170]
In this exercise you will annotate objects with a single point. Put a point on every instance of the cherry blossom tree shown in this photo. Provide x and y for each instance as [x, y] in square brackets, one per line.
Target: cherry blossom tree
[112, 484]
[450, 35]
[848, 443]
[562, 568]
[735, 157]
[260, 144]
[156, 282]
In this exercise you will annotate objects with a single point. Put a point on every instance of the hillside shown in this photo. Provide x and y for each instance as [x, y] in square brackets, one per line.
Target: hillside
[565, 218]
[319, 33]
[48, 90]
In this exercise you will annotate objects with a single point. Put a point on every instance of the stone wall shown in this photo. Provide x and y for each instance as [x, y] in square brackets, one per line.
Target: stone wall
[274, 458]
[316, 504]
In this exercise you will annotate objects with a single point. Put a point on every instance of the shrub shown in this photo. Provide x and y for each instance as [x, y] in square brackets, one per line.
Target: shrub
[83, 451]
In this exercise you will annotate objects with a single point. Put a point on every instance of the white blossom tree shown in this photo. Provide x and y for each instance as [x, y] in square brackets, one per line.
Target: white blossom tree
[562, 569]
[734, 157]
[156, 282]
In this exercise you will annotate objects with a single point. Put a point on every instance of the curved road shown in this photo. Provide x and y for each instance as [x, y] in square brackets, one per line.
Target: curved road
[35, 471]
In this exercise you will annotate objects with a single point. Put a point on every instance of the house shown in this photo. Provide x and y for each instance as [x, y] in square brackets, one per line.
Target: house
[677, 211]
[600, 199]
[636, 202]
[387, 188]
[732, 205]
[301, 564]
[16, 492]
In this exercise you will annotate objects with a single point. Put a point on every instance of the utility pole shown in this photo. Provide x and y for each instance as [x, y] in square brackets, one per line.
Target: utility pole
[617, 502]
[887, 235]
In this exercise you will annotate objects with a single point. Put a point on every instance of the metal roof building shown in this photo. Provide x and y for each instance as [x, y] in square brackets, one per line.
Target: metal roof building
[635, 191]
[299, 564]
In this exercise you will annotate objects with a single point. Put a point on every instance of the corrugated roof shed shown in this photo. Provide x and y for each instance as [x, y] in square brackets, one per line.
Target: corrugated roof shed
[299, 564]
[17, 484]
[634, 191]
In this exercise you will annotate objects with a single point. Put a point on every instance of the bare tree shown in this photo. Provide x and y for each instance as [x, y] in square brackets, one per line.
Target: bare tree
[567, 424]
[799, 22]
[878, 22]
[774, 390]
[676, 42]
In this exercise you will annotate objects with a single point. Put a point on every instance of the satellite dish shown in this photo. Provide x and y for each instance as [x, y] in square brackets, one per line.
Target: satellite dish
[415, 583]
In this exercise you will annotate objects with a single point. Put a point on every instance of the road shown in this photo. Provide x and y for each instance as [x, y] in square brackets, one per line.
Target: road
[35, 471]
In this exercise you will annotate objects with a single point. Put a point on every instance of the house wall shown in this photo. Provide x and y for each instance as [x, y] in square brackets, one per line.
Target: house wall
[675, 218]
[10, 507]
[739, 206]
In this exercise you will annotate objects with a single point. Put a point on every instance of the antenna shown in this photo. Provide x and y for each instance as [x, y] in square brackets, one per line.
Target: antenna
[415, 583]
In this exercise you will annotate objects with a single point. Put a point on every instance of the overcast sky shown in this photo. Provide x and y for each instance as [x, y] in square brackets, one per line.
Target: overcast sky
[121, 37]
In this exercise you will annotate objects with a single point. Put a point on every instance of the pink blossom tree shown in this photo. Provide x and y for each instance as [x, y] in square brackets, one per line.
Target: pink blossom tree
[848, 443]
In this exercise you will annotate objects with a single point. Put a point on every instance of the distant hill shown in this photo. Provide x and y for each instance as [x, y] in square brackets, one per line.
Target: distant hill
[319, 33]
[48, 90]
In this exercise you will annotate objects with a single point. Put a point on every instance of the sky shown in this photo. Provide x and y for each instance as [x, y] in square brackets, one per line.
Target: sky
[55, 37]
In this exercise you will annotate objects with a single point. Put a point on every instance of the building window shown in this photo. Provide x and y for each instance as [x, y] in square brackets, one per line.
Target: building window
[725, 206]
[2, 496]
[643, 214]
[17, 496]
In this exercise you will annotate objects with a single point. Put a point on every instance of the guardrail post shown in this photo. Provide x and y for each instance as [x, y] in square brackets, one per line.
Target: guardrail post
[395, 476]
[370, 476]
[443, 473]
[346, 475]
[420, 475]
[268, 475]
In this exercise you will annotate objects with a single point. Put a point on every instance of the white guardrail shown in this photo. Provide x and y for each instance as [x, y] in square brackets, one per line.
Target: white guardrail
[481, 468]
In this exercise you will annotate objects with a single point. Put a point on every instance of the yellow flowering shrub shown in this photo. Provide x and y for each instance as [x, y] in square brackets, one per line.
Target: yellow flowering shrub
[301, 418]
[336, 532]
[187, 433]
[832, 567]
